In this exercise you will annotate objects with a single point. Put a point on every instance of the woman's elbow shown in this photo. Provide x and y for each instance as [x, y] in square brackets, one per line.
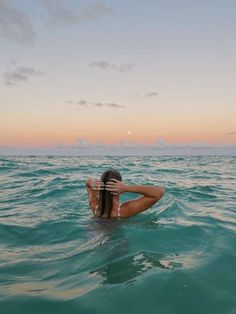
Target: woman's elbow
[160, 193]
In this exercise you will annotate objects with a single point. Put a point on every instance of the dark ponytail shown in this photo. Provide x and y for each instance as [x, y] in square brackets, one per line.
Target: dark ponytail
[105, 197]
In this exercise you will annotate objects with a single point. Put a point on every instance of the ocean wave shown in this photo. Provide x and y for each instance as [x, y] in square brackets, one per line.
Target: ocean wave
[54, 250]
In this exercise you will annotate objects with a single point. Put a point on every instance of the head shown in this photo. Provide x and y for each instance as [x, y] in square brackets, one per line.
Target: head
[106, 198]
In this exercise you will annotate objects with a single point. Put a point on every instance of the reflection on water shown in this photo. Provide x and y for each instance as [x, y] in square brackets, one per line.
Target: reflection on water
[47, 289]
[131, 267]
[118, 265]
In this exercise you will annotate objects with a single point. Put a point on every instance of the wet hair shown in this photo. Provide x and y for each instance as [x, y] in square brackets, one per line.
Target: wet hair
[105, 197]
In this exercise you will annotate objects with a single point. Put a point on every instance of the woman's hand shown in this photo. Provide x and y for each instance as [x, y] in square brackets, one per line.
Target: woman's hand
[115, 186]
[95, 184]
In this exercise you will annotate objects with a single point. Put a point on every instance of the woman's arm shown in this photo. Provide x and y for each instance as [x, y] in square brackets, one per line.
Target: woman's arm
[151, 195]
[93, 186]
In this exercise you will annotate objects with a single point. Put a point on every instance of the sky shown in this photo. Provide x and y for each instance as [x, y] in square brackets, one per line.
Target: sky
[105, 77]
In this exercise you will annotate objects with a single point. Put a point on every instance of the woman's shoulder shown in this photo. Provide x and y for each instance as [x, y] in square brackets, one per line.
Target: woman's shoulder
[136, 206]
[121, 211]
[125, 209]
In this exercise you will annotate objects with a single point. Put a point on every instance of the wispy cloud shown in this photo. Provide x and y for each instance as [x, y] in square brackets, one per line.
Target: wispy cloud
[104, 65]
[96, 104]
[148, 94]
[114, 105]
[82, 102]
[15, 25]
[77, 102]
[59, 13]
[232, 133]
[20, 74]
[151, 94]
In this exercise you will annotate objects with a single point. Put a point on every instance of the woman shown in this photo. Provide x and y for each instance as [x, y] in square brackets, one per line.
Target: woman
[104, 196]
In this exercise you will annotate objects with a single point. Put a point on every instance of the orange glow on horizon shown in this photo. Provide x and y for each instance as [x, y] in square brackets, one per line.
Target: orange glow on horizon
[68, 130]
[53, 139]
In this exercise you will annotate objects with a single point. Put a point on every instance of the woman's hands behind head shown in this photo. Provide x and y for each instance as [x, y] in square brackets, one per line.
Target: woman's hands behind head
[115, 187]
[95, 184]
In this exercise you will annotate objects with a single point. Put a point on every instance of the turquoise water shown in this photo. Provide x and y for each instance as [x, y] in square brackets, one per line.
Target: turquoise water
[177, 257]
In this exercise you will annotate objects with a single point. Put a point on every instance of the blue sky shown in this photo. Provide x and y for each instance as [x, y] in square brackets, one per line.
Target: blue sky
[116, 72]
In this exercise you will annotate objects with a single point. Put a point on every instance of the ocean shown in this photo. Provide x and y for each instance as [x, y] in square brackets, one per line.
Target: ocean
[177, 257]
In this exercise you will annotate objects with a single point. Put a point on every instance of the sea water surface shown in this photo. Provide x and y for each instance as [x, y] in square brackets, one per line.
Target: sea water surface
[177, 257]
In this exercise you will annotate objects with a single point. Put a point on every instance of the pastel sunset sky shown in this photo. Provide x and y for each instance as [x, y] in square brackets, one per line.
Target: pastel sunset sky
[89, 73]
